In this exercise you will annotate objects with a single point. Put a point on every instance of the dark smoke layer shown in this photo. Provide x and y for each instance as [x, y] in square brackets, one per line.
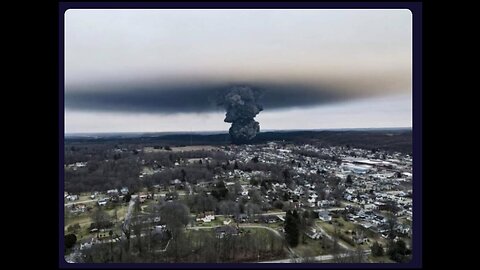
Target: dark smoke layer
[195, 97]
[241, 104]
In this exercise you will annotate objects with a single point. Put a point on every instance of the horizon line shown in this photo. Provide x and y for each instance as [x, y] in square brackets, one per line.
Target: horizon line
[226, 131]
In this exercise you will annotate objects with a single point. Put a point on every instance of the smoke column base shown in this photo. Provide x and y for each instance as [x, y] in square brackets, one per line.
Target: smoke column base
[243, 131]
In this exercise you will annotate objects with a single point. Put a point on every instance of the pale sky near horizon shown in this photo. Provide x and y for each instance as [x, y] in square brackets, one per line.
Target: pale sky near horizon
[352, 66]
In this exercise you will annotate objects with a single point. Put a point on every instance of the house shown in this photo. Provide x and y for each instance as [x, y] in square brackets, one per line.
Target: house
[226, 230]
[124, 190]
[359, 238]
[366, 224]
[241, 218]
[312, 201]
[160, 228]
[142, 197]
[86, 245]
[206, 217]
[73, 197]
[404, 229]
[102, 202]
[175, 182]
[112, 192]
[312, 233]
[80, 164]
[78, 208]
[325, 203]
[381, 205]
[324, 215]
[194, 160]
[270, 219]
[370, 207]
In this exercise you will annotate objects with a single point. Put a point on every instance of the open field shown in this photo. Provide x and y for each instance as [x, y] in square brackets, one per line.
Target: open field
[310, 247]
[383, 259]
[182, 149]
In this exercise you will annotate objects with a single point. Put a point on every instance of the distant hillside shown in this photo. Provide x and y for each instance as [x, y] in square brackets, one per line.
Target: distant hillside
[389, 139]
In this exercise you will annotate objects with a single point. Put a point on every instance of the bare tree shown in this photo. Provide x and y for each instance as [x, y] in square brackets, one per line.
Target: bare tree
[359, 255]
[228, 207]
[175, 215]
[252, 209]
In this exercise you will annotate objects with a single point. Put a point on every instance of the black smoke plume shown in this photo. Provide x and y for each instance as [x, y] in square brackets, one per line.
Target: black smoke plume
[241, 104]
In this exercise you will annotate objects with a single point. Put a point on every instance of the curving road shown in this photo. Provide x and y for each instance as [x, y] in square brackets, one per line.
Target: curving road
[78, 202]
[126, 222]
[240, 225]
[316, 258]
[343, 245]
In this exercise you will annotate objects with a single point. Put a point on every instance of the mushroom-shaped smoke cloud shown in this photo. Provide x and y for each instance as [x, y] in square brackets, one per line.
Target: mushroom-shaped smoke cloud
[241, 104]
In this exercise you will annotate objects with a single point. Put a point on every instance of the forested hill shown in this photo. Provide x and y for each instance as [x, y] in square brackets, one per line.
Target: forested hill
[386, 139]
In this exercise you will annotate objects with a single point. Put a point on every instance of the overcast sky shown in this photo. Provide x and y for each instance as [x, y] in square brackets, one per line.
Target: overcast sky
[160, 70]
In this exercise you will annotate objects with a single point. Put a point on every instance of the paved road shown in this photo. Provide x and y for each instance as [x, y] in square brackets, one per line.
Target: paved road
[343, 245]
[240, 225]
[126, 222]
[161, 194]
[317, 258]
[274, 214]
[67, 204]
[261, 227]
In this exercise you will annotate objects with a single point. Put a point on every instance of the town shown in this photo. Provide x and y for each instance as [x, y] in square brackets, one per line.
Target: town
[269, 202]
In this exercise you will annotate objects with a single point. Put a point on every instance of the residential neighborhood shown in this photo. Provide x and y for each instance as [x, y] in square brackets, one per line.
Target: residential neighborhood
[339, 194]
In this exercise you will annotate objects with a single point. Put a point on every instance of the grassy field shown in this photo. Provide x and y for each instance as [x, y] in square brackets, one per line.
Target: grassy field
[342, 227]
[310, 247]
[383, 259]
[85, 219]
[121, 212]
[274, 226]
[258, 232]
[329, 228]
[181, 149]
[84, 222]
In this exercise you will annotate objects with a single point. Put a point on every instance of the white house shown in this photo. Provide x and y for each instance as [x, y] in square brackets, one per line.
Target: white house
[80, 164]
[112, 192]
[313, 234]
[102, 202]
[79, 208]
[370, 207]
[72, 197]
[206, 217]
[324, 215]
[142, 197]
[324, 203]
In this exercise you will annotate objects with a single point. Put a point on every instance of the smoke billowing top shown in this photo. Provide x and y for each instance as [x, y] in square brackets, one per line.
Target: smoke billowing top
[242, 105]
